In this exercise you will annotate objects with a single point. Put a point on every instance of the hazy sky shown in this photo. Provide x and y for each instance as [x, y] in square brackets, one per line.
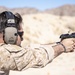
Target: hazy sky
[39, 4]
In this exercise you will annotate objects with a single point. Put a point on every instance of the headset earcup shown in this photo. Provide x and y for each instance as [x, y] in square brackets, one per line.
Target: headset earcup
[10, 35]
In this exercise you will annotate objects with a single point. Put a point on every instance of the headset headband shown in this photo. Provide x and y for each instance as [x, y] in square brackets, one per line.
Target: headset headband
[9, 15]
[10, 19]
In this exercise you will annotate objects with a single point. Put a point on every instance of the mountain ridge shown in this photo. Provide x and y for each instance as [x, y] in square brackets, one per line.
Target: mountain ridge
[67, 10]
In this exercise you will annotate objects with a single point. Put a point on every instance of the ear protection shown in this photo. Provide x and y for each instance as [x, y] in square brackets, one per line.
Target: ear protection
[10, 31]
[10, 19]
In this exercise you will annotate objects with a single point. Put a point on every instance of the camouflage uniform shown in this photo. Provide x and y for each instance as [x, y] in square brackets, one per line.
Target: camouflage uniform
[4, 72]
[13, 57]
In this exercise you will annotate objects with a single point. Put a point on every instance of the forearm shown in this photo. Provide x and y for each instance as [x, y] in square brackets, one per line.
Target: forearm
[58, 49]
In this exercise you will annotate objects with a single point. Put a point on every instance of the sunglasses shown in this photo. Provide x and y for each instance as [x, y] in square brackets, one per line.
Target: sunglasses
[21, 34]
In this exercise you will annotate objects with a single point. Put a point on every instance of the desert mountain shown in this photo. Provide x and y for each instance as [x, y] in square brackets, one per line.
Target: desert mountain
[22, 11]
[67, 10]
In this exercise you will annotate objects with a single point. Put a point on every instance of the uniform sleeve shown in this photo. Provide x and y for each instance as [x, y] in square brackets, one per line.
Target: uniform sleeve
[43, 54]
[34, 56]
[22, 58]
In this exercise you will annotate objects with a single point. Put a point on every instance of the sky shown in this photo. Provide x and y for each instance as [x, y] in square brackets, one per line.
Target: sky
[38, 4]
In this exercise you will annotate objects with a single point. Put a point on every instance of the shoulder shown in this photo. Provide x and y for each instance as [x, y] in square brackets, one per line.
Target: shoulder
[10, 48]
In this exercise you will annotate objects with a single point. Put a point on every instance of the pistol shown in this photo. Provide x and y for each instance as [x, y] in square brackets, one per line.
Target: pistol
[65, 36]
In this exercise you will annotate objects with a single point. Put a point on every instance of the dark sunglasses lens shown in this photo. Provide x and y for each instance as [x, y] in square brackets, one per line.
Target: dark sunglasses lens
[21, 34]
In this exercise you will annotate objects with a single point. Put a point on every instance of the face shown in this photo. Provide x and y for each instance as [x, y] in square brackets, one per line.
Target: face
[20, 35]
[18, 41]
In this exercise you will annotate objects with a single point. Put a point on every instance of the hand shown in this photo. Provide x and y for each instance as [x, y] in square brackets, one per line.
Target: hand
[69, 44]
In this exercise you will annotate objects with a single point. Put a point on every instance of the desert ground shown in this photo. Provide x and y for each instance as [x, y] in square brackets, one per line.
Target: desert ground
[45, 28]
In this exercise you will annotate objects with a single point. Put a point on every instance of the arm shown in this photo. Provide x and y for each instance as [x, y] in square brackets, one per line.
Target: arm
[54, 50]
[15, 58]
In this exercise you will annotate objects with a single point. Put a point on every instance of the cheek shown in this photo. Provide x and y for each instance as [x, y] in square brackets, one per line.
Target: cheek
[18, 40]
